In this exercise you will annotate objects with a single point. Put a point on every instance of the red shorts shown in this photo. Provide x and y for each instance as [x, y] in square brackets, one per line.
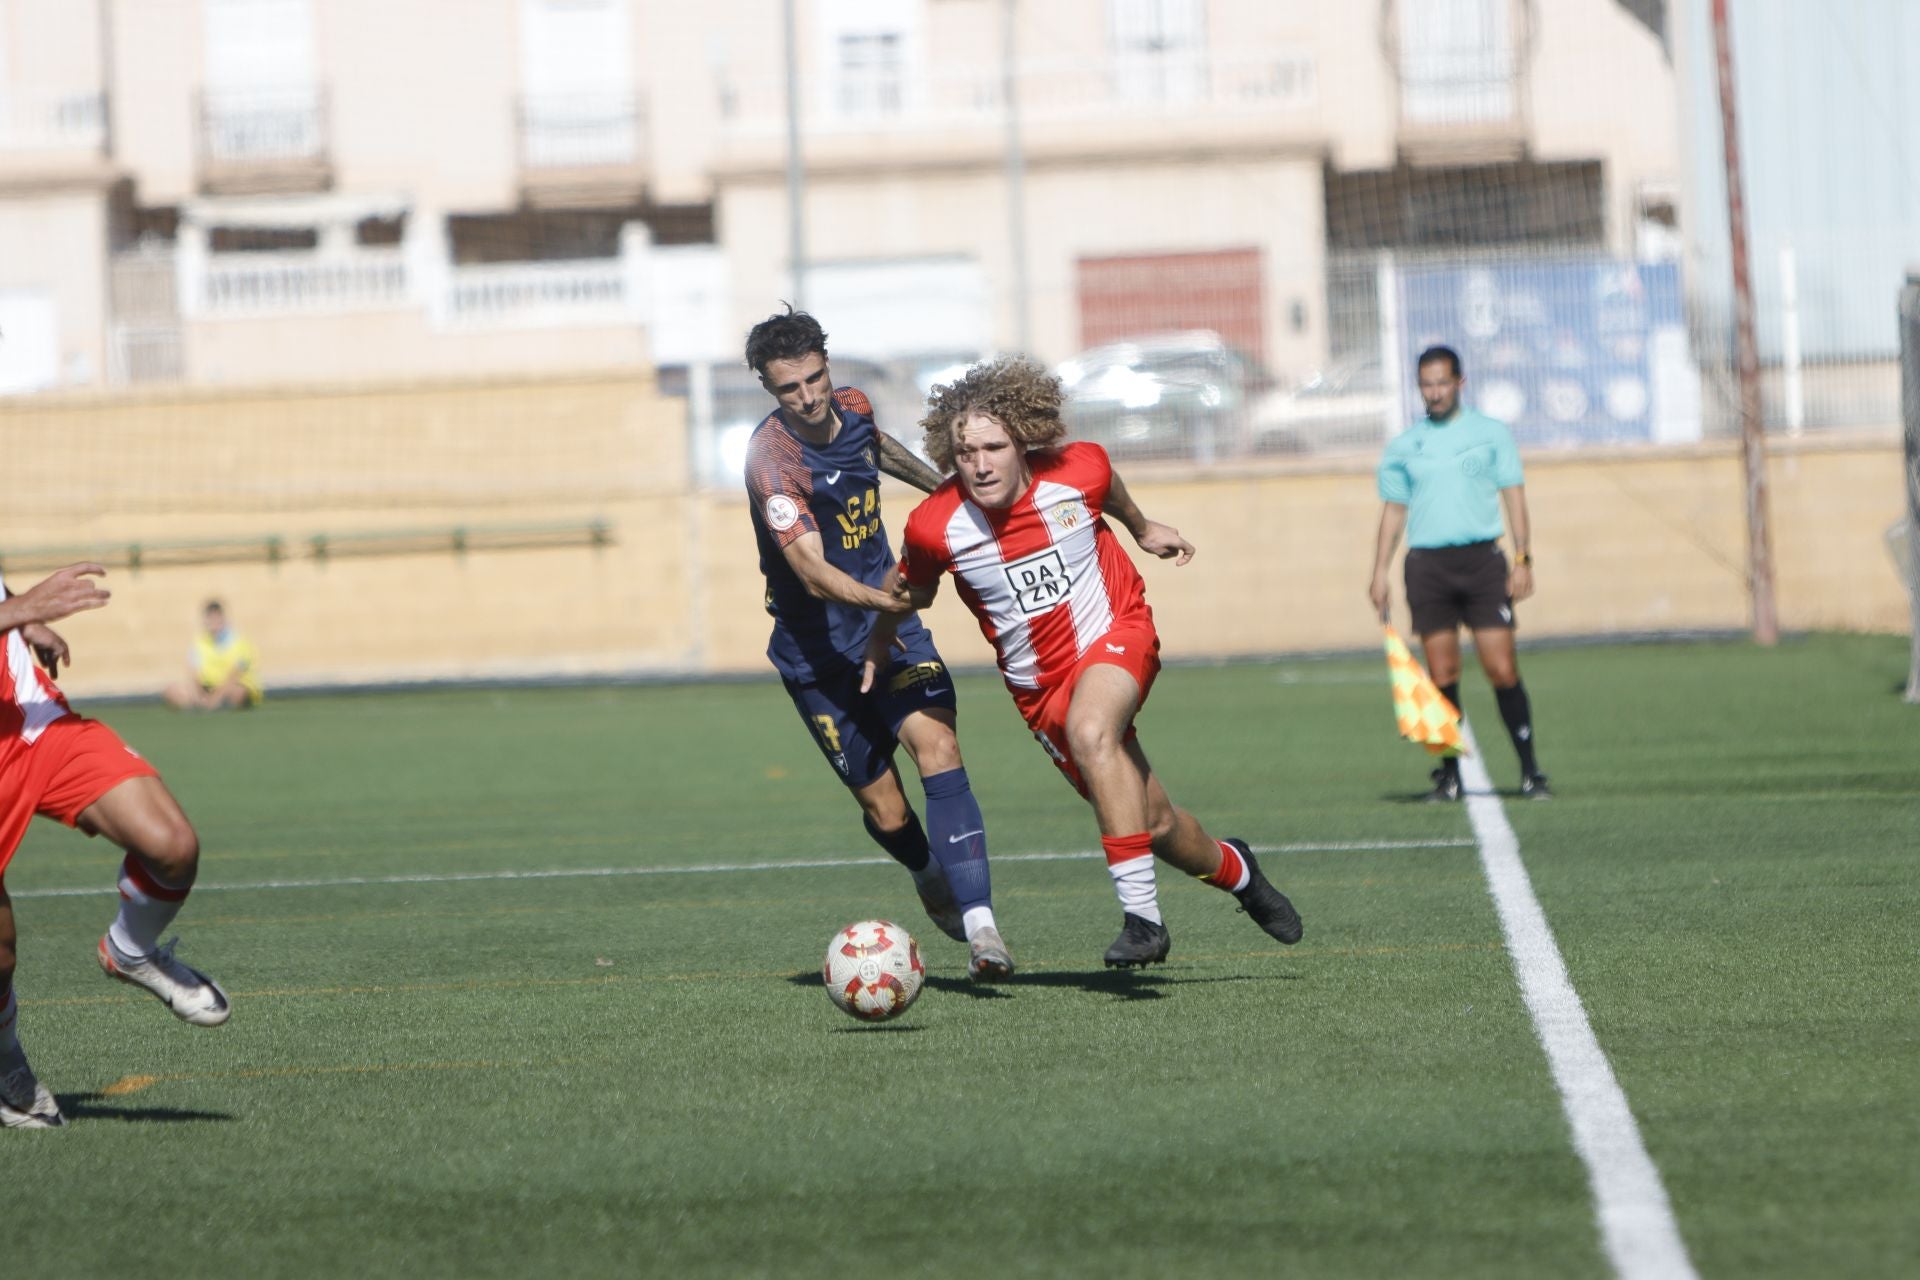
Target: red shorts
[1135, 649]
[71, 764]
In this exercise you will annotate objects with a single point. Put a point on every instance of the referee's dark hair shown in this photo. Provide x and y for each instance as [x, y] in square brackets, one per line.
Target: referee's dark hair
[1431, 354]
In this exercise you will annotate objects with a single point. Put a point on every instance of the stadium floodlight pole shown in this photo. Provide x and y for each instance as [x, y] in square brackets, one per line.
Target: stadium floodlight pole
[796, 170]
[1016, 177]
[1766, 626]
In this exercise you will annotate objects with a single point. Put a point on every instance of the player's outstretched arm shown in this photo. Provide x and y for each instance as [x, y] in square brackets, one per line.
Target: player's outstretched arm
[1156, 539]
[887, 625]
[903, 463]
[807, 554]
[61, 594]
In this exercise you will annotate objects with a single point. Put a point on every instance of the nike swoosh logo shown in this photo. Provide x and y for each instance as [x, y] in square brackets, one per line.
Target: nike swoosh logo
[833, 477]
[934, 693]
[963, 835]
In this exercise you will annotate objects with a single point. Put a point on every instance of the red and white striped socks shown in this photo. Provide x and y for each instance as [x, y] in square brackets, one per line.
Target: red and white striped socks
[1233, 874]
[1130, 863]
[147, 907]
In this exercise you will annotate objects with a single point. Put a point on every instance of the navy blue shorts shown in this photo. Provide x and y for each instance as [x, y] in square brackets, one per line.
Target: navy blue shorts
[858, 732]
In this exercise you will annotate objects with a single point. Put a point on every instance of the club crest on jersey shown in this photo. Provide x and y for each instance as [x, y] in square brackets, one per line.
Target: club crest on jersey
[782, 512]
[1069, 513]
[1039, 581]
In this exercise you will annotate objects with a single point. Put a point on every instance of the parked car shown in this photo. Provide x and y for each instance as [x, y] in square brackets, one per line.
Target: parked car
[1175, 395]
[1341, 408]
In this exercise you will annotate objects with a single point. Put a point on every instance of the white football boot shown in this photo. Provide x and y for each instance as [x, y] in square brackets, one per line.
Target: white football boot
[936, 895]
[191, 994]
[25, 1103]
[990, 960]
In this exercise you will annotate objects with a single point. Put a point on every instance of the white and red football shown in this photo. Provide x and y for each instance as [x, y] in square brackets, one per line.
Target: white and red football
[873, 970]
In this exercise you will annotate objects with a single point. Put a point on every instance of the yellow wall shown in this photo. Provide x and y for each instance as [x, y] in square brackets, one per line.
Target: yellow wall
[94, 474]
[1625, 541]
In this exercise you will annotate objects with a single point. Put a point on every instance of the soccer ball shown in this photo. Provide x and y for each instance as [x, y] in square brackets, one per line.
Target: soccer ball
[873, 970]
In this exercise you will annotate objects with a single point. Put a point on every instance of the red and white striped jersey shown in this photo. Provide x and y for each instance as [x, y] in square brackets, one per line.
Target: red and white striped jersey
[1046, 576]
[29, 700]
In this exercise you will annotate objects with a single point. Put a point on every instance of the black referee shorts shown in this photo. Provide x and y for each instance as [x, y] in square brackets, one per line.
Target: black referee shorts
[1447, 586]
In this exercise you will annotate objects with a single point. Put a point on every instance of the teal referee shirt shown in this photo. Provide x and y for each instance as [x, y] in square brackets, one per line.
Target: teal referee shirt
[1449, 476]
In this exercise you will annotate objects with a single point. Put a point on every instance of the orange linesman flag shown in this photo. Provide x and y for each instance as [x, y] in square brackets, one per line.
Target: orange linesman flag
[1425, 715]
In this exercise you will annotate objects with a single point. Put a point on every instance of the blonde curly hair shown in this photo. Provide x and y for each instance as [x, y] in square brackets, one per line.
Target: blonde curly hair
[1016, 390]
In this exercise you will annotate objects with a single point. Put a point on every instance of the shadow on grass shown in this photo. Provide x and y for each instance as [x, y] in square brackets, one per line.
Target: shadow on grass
[1426, 797]
[88, 1106]
[1132, 984]
[1124, 984]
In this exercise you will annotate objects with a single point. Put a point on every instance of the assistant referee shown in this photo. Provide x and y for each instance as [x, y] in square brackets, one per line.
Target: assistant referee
[1443, 482]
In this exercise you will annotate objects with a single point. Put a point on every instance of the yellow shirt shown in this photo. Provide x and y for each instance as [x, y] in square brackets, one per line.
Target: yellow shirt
[217, 660]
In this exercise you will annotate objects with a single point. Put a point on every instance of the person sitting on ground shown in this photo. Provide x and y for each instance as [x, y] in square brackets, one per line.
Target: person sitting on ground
[222, 671]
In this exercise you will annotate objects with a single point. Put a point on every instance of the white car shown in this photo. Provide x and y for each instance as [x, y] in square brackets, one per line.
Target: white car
[1170, 395]
[1343, 408]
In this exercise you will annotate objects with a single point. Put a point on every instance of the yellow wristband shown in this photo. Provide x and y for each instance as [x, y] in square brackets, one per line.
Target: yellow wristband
[1525, 558]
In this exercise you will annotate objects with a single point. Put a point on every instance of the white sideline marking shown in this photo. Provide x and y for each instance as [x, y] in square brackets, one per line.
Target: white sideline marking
[1637, 1226]
[716, 868]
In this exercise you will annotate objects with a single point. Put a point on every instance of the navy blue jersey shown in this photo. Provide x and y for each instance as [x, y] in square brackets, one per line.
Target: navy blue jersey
[794, 489]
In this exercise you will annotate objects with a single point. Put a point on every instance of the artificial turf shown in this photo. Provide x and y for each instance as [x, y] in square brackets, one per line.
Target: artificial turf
[622, 1062]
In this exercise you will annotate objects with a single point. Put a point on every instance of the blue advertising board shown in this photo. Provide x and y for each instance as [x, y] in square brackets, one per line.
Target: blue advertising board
[1566, 351]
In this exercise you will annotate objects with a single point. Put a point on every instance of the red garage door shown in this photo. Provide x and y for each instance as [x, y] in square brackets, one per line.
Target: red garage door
[1162, 292]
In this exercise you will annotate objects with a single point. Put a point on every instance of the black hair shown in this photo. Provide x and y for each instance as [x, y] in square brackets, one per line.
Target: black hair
[1432, 354]
[784, 337]
[211, 605]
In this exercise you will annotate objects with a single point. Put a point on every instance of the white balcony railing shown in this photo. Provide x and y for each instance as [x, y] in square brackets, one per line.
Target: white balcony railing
[53, 122]
[299, 281]
[579, 130]
[342, 277]
[542, 294]
[263, 126]
[1049, 90]
[1460, 91]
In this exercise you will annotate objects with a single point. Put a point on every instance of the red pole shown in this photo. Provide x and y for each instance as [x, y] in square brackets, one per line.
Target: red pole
[1766, 626]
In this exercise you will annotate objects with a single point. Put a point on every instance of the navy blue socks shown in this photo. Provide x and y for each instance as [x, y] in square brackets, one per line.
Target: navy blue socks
[958, 837]
[907, 846]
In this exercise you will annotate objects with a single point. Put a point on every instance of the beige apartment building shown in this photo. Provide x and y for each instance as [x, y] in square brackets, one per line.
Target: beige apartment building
[247, 191]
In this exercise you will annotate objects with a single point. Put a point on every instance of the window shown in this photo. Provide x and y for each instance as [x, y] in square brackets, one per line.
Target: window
[868, 76]
[871, 56]
[1159, 49]
[262, 99]
[1457, 63]
[578, 105]
[261, 239]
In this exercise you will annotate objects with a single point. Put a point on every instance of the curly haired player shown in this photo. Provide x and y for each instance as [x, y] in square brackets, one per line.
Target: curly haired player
[1021, 525]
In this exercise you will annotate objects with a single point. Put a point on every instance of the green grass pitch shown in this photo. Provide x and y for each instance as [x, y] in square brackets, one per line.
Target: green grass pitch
[632, 1070]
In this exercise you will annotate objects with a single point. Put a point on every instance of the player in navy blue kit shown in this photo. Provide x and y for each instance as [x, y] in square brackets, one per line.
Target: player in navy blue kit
[813, 483]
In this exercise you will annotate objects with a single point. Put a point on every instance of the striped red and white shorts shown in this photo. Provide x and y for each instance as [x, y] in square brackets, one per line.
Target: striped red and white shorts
[1135, 649]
